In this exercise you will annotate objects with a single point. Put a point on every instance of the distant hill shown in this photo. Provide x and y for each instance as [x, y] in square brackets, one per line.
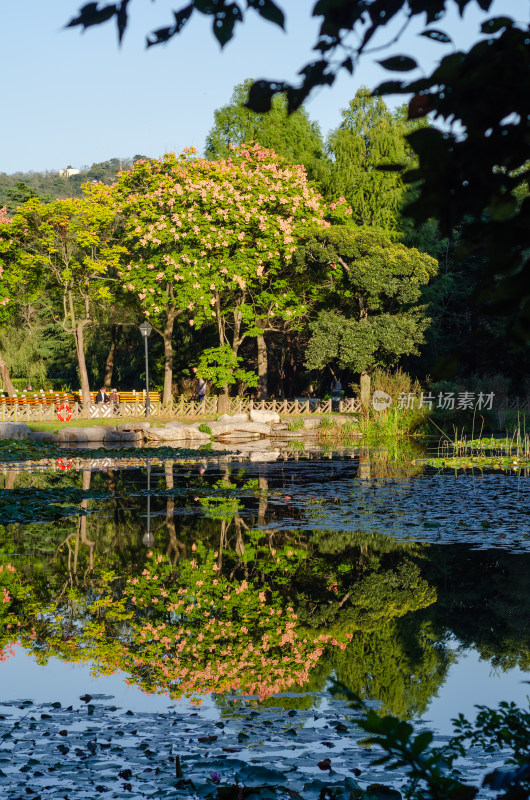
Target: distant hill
[20, 186]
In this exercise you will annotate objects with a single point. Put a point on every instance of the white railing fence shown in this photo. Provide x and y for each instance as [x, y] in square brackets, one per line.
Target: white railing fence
[181, 407]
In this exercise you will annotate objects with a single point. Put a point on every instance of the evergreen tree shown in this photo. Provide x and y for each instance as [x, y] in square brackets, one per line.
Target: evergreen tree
[370, 135]
[294, 137]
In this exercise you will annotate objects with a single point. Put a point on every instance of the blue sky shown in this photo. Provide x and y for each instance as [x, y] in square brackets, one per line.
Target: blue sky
[72, 98]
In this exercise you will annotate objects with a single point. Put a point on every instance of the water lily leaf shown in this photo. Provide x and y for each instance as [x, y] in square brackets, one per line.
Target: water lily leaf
[260, 776]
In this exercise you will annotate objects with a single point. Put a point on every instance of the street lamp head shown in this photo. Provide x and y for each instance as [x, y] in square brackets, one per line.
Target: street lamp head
[148, 539]
[146, 329]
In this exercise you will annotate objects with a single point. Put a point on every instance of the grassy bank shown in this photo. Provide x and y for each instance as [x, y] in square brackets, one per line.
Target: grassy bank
[156, 422]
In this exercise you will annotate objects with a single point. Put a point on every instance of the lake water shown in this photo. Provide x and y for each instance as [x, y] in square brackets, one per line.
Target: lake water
[223, 611]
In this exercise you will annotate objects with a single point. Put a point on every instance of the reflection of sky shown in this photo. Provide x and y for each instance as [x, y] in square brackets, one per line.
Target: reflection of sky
[470, 682]
[22, 678]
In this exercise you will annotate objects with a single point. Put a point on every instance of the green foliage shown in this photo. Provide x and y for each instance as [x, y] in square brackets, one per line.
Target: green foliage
[369, 136]
[221, 367]
[372, 285]
[295, 425]
[213, 241]
[31, 505]
[431, 771]
[27, 352]
[293, 137]
[68, 248]
[476, 174]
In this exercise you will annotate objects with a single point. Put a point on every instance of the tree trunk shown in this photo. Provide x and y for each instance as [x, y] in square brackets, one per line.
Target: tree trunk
[168, 359]
[175, 547]
[109, 364]
[289, 366]
[262, 367]
[223, 403]
[364, 471]
[263, 501]
[83, 373]
[82, 527]
[365, 391]
[10, 389]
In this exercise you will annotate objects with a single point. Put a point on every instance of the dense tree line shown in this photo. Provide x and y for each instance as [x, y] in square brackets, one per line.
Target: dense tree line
[19, 187]
[279, 261]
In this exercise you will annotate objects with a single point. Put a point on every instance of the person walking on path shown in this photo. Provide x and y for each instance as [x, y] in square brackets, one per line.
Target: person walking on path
[336, 394]
[201, 387]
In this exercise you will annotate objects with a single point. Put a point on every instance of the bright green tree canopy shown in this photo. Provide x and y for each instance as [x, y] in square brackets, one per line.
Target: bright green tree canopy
[370, 135]
[293, 137]
[372, 286]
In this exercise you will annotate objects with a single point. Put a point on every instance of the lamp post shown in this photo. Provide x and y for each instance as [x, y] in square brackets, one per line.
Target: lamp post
[148, 538]
[145, 330]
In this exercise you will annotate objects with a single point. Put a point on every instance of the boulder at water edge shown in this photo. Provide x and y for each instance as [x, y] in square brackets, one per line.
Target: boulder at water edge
[44, 436]
[257, 415]
[92, 433]
[227, 418]
[97, 434]
[310, 423]
[240, 429]
[14, 430]
[133, 426]
[117, 436]
[176, 432]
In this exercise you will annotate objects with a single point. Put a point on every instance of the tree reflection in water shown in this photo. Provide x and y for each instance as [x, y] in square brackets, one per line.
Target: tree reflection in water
[222, 606]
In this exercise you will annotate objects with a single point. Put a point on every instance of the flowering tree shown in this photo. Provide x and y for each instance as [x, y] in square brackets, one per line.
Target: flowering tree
[68, 245]
[214, 240]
